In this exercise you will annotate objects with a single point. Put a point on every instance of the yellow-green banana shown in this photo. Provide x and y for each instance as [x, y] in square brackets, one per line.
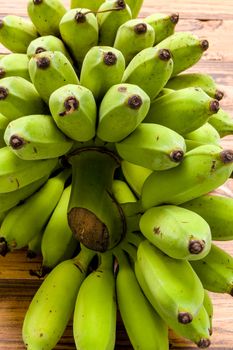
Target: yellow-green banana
[206, 134]
[16, 33]
[58, 243]
[122, 192]
[3, 124]
[110, 16]
[94, 320]
[18, 97]
[201, 80]
[49, 71]
[93, 5]
[31, 216]
[178, 232]
[135, 6]
[203, 169]
[153, 146]
[216, 270]
[134, 36]
[183, 110]
[163, 24]
[53, 304]
[79, 31]
[155, 66]
[36, 137]
[46, 15]
[16, 173]
[186, 48]
[103, 66]
[14, 64]
[74, 111]
[222, 122]
[122, 109]
[34, 246]
[208, 305]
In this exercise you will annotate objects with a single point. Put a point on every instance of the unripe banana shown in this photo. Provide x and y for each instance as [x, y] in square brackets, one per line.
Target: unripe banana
[47, 43]
[122, 109]
[201, 80]
[163, 92]
[49, 71]
[34, 246]
[93, 5]
[145, 328]
[206, 134]
[203, 169]
[36, 137]
[14, 64]
[216, 210]
[58, 243]
[94, 321]
[18, 97]
[79, 31]
[135, 6]
[135, 175]
[110, 16]
[16, 173]
[152, 146]
[216, 271]
[208, 305]
[176, 289]
[3, 124]
[178, 232]
[163, 24]
[31, 216]
[74, 111]
[222, 122]
[53, 304]
[122, 192]
[183, 110]
[46, 15]
[186, 48]
[103, 66]
[155, 66]
[134, 36]
[16, 33]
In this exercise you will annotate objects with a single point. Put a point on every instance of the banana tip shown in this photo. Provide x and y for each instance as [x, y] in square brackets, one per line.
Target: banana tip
[164, 54]
[204, 44]
[37, 2]
[214, 106]
[227, 156]
[204, 343]
[177, 155]
[185, 317]
[110, 58]
[80, 17]
[196, 246]
[2, 73]
[174, 18]
[218, 95]
[3, 246]
[140, 28]
[43, 62]
[16, 142]
[3, 93]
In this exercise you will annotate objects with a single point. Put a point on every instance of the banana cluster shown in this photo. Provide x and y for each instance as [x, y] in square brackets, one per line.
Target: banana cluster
[108, 159]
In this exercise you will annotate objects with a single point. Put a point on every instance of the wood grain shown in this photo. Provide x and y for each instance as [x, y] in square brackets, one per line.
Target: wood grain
[210, 19]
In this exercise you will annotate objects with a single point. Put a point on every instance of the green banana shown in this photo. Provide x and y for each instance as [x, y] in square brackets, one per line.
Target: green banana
[122, 192]
[14, 64]
[135, 175]
[177, 291]
[146, 330]
[134, 36]
[36, 137]
[34, 246]
[201, 80]
[47, 43]
[110, 16]
[18, 97]
[208, 304]
[31, 216]
[93, 5]
[16, 173]
[53, 304]
[94, 320]
[94, 216]
[58, 243]
[79, 31]
[178, 232]
[49, 71]
[103, 66]
[122, 109]
[3, 124]
[183, 110]
[16, 33]
[186, 49]
[74, 111]
[46, 15]
[206, 134]
[135, 6]
[222, 122]
[216, 210]
[153, 146]
[163, 92]
[163, 24]
[154, 65]
[216, 271]
[203, 169]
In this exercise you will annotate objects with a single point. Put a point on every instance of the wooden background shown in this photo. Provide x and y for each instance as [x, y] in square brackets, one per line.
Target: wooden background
[212, 20]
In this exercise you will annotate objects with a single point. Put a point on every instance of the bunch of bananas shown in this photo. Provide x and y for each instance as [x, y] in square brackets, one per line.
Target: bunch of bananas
[108, 157]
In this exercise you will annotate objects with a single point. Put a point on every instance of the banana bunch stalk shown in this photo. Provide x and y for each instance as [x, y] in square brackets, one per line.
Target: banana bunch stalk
[109, 150]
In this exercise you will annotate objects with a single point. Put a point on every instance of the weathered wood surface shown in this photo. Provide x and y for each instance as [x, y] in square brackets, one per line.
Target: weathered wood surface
[212, 20]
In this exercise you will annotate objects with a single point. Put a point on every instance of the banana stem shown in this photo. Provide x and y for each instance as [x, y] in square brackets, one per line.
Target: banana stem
[131, 250]
[134, 238]
[83, 259]
[105, 260]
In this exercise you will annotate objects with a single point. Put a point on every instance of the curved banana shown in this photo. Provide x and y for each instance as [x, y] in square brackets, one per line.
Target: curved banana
[206, 134]
[14, 64]
[34, 246]
[222, 122]
[163, 24]
[208, 305]
[203, 169]
[122, 192]
[94, 320]
[135, 6]
[88, 4]
[54, 302]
